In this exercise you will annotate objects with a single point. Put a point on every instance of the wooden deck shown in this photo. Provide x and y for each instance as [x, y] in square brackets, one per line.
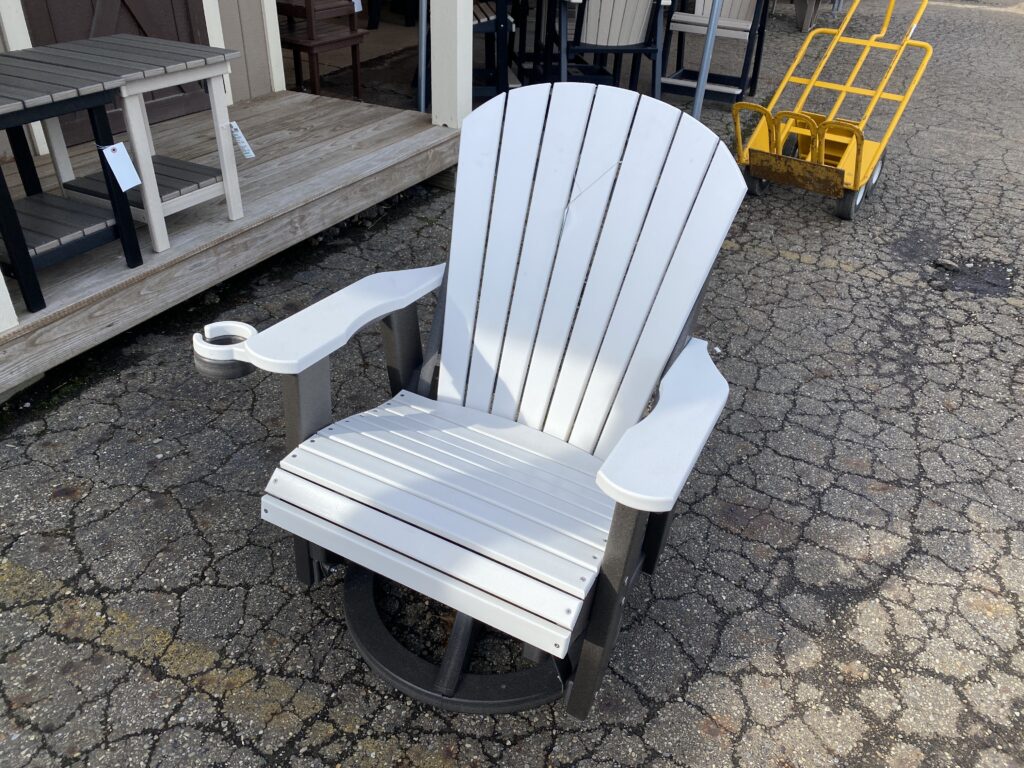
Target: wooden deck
[318, 161]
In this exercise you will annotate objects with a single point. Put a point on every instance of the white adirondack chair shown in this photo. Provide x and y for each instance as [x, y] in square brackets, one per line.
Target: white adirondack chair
[617, 28]
[511, 477]
[742, 20]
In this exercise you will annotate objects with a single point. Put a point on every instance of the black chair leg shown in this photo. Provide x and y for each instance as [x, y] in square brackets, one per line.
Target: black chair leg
[373, 15]
[563, 43]
[356, 73]
[490, 67]
[297, 61]
[618, 571]
[634, 73]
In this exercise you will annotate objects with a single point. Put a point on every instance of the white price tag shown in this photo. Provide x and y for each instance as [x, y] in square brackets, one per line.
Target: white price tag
[120, 163]
[359, 5]
[241, 142]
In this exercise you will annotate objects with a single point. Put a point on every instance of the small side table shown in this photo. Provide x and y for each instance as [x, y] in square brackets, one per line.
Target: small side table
[41, 228]
[169, 185]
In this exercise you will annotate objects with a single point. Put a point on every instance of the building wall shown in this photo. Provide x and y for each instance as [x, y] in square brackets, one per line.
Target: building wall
[250, 26]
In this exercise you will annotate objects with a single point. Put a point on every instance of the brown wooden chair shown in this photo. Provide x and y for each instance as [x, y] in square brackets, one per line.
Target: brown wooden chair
[317, 26]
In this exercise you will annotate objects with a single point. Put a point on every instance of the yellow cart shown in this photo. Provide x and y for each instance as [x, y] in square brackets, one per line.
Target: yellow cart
[823, 152]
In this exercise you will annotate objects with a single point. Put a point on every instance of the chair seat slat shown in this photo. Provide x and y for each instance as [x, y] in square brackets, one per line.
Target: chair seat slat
[454, 592]
[541, 469]
[545, 488]
[400, 443]
[468, 497]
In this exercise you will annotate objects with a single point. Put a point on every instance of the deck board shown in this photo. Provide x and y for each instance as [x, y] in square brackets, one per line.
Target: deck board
[318, 161]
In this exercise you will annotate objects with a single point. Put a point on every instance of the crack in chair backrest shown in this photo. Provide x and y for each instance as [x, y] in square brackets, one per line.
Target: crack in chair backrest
[587, 219]
[613, 22]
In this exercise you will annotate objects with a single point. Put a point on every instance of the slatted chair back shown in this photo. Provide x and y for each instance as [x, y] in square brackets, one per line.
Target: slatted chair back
[587, 219]
[738, 10]
[613, 22]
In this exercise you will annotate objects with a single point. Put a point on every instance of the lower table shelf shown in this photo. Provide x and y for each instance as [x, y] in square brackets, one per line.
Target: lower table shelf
[56, 227]
[174, 178]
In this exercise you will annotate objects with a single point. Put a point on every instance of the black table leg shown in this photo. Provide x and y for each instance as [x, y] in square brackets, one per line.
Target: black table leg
[118, 199]
[23, 158]
[17, 251]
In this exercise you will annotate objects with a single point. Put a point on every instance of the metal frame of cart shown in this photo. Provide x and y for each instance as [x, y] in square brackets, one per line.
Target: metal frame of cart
[822, 152]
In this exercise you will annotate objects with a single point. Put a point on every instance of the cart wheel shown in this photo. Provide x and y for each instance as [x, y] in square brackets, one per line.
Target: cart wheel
[875, 174]
[847, 205]
[755, 186]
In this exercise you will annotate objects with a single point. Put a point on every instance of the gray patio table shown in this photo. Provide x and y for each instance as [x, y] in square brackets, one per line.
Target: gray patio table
[141, 65]
[43, 83]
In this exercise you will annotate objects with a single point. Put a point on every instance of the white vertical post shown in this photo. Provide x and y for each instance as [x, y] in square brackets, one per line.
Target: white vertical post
[8, 317]
[451, 61]
[217, 87]
[137, 121]
[15, 37]
[215, 29]
[58, 149]
[274, 55]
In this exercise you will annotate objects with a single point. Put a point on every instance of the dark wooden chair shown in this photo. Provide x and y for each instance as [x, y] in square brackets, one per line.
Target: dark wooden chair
[317, 26]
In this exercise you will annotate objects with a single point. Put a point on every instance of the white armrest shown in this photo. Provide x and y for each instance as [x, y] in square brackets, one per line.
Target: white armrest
[312, 334]
[648, 466]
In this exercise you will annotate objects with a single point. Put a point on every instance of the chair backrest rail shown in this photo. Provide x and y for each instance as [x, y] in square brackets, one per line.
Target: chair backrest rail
[614, 22]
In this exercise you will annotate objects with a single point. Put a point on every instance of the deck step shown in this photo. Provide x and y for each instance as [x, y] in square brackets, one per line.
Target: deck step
[49, 221]
[173, 177]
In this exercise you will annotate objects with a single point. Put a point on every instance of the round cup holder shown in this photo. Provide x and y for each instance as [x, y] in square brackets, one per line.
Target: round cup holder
[215, 350]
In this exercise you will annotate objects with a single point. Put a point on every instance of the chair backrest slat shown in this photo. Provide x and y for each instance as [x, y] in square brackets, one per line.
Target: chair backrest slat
[615, 22]
[680, 180]
[653, 130]
[607, 132]
[478, 163]
[575, 256]
[520, 147]
[567, 122]
[702, 237]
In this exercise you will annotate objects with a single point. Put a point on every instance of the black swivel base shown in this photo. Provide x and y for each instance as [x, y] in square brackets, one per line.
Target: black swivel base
[446, 685]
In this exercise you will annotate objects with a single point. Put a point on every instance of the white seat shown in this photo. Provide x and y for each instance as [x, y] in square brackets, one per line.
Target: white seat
[522, 484]
[481, 505]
